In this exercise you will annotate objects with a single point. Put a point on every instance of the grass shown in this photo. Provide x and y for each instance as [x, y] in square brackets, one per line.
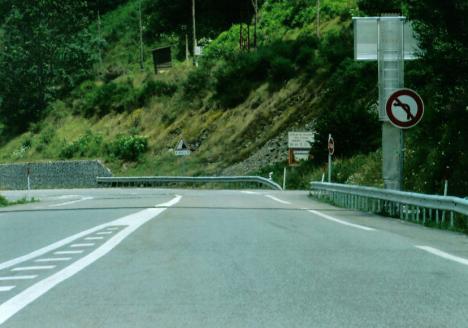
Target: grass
[5, 202]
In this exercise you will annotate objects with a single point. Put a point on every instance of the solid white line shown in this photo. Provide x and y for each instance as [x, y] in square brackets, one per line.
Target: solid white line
[71, 202]
[68, 252]
[54, 259]
[17, 278]
[134, 221]
[94, 238]
[278, 200]
[444, 255]
[33, 268]
[104, 233]
[331, 218]
[6, 288]
[82, 245]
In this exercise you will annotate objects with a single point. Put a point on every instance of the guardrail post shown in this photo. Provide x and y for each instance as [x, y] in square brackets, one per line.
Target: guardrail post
[452, 223]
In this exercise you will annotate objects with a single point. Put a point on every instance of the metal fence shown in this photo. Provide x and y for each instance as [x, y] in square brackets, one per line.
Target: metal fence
[240, 181]
[442, 211]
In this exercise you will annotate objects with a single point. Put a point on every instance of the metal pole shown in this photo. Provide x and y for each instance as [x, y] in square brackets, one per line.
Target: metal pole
[329, 167]
[194, 29]
[99, 44]
[445, 187]
[186, 47]
[284, 178]
[141, 36]
[318, 19]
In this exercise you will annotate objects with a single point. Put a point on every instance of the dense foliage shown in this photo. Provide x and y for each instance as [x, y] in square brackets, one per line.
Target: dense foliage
[46, 51]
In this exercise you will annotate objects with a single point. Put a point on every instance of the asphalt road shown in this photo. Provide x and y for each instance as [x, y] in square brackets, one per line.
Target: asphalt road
[198, 258]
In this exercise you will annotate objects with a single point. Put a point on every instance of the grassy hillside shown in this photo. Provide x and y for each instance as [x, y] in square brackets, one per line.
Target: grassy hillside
[226, 109]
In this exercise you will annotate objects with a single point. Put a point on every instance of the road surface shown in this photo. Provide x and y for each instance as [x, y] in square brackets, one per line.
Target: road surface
[199, 258]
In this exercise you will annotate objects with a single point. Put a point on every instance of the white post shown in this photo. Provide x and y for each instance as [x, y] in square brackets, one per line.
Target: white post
[445, 187]
[284, 178]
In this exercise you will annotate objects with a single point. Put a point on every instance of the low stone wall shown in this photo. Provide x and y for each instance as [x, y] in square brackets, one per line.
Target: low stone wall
[48, 175]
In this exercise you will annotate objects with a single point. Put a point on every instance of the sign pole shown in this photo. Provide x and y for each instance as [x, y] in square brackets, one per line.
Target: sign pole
[284, 178]
[331, 151]
[329, 167]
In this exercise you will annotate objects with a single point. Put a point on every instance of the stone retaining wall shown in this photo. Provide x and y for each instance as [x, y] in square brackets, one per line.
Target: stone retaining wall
[48, 175]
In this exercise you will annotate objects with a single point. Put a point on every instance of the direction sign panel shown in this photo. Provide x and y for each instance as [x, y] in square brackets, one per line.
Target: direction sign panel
[331, 145]
[404, 108]
[300, 140]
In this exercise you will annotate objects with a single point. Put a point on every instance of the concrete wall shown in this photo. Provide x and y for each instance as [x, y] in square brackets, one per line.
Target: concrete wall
[47, 175]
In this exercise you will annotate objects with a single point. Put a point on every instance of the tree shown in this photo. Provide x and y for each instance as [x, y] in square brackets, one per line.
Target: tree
[45, 52]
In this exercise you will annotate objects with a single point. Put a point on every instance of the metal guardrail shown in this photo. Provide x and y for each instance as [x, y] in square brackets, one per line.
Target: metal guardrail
[410, 206]
[155, 181]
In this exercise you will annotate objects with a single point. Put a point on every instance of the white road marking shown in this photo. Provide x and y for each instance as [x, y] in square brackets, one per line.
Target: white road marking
[82, 199]
[105, 233]
[249, 192]
[444, 255]
[113, 228]
[6, 288]
[94, 238]
[82, 245]
[68, 252]
[133, 222]
[331, 218]
[34, 268]
[54, 259]
[18, 278]
[278, 200]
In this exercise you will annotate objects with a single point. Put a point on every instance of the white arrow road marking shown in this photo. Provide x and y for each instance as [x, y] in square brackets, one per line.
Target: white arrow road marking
[68, 252]
[278, 200]
[54, 259]
[6, 288]
[444, 255]
[331, 218]
[82, 199]
[34, 268]
[25, 297]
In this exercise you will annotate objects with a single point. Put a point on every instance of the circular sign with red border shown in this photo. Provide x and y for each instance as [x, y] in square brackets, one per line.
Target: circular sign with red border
[331, 145]
[404, 108]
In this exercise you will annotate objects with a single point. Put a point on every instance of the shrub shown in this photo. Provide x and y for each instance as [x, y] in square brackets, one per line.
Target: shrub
[128, 148]
[155, 88]
[3, 201]
[87, 145]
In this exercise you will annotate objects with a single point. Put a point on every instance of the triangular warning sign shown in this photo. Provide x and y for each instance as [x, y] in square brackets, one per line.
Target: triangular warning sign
[182, 145]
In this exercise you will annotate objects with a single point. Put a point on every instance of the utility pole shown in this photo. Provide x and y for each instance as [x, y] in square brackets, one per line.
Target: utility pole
[99, 42]
[194, 33]
[141, 37]
[255, 5]
[318, 19]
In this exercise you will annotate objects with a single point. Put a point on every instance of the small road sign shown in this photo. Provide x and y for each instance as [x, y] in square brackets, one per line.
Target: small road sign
[331, 145]
[405, 108]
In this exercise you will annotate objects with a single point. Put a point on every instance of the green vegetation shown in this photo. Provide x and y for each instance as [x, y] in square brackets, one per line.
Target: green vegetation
[69, 104]
[5, 202]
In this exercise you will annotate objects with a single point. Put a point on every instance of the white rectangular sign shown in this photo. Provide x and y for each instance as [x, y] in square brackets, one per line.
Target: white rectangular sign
[300, 140]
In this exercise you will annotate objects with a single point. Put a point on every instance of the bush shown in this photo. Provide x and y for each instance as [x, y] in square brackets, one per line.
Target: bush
[155, 88]
[128, 148]
[3, 201]
[88, 145]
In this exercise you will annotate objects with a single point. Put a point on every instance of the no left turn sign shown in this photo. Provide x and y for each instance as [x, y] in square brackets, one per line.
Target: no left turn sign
[405, 108]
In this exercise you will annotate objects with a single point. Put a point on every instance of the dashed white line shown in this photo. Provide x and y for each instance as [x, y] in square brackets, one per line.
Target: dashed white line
[54, 259]
[444, 255]
[68, 252]
[6, 288]
[132, 223]
[113, 228]
[34, 268]
[278, 200]
[94, 238]
[82, 245]
[331, 218]
[18, 278]
[104, 233]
